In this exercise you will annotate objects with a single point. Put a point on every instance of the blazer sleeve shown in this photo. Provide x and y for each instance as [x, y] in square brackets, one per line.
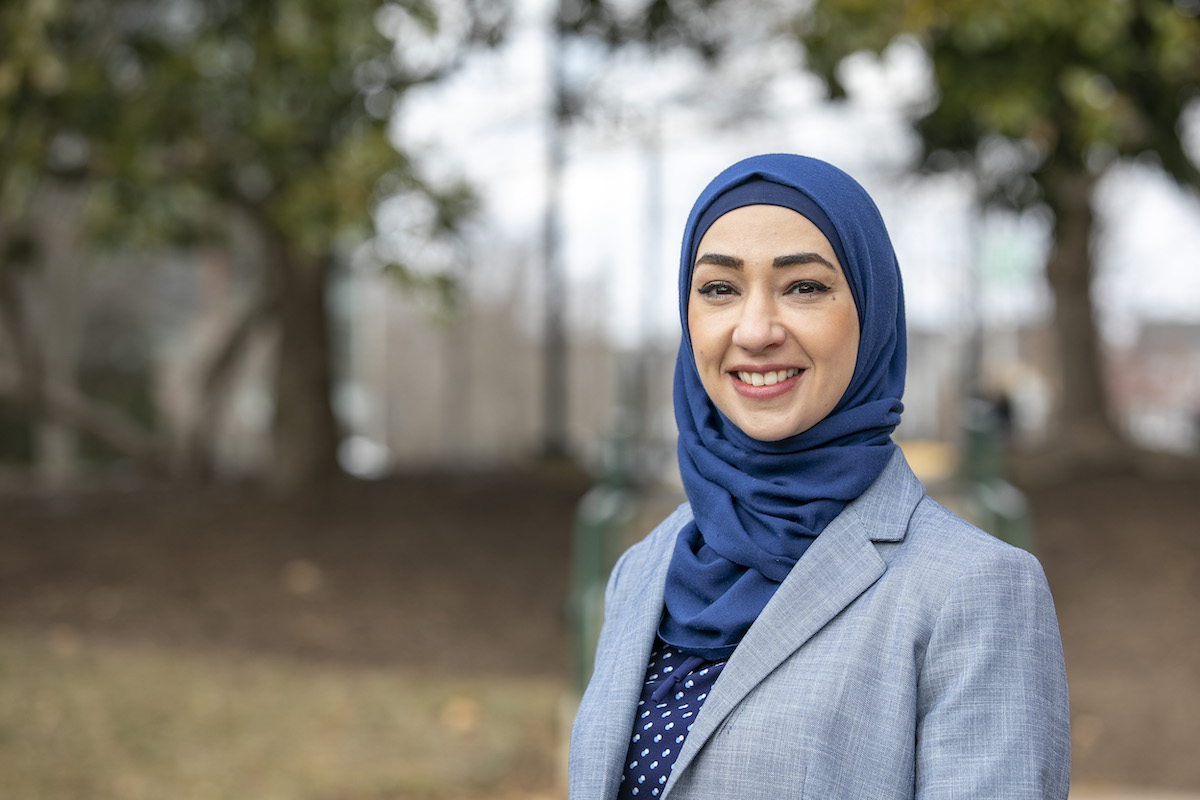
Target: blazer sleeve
[992, 708]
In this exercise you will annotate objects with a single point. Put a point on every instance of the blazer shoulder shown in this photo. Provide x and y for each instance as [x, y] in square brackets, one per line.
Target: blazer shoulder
[641, 562]
[946, 549]
[932, 524]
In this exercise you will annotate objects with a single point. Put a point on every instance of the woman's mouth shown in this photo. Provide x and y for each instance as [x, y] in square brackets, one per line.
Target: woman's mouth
[766, 378]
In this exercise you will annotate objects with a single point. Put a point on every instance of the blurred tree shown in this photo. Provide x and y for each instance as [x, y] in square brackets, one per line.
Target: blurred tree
[179, 115]
[49, 95]
[1038, 98]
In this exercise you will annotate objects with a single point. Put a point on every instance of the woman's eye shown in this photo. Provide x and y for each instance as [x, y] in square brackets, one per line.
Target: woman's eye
[807, 287]
[715, 288]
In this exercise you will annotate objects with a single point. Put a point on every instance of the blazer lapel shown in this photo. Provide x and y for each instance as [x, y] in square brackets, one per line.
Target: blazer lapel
[623, 686]
[839, 566]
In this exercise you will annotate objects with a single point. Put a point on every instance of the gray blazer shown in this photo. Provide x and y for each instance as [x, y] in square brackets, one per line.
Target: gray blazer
[907, 655]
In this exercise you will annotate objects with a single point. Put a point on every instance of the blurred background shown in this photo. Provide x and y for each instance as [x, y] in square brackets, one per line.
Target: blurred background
[336, 341]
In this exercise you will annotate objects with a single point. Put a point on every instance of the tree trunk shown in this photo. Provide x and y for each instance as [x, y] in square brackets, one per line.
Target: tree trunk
[55, 297]
[1083, 431]
[305, 430]
[555, 403]
[197, 452]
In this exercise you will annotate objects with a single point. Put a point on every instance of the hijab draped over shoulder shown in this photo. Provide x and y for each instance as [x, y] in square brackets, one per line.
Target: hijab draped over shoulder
[758, 505]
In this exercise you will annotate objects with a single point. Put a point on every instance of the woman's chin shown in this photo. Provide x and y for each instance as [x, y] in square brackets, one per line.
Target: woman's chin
[770, 430]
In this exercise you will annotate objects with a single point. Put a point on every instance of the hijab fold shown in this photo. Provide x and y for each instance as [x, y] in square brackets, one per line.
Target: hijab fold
[758, 505]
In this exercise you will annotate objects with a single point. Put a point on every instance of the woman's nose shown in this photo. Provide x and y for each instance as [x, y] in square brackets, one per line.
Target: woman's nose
[758, 327]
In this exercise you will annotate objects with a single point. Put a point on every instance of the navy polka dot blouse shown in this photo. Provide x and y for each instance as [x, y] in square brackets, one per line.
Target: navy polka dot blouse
[676, 686]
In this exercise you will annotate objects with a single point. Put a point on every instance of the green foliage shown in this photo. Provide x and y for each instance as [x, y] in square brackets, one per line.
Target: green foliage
[1082, 81]
[176, 111]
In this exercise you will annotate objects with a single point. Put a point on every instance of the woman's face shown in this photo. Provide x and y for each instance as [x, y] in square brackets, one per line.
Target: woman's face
[773, 325]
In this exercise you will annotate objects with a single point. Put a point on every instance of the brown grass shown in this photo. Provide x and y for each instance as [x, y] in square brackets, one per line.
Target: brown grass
[84, 719]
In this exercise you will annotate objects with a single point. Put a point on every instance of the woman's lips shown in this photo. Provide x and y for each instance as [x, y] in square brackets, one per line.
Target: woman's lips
[765, 384]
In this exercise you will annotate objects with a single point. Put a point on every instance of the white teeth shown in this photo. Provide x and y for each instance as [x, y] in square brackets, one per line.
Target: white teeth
[767, 378]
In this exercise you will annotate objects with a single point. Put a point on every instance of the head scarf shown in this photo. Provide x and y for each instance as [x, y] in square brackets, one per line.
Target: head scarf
[757, 505]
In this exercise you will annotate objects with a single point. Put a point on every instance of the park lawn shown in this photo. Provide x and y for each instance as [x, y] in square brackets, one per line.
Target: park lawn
[101, 719]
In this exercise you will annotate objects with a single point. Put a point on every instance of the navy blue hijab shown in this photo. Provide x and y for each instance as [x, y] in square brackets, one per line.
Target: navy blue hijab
[758, 505]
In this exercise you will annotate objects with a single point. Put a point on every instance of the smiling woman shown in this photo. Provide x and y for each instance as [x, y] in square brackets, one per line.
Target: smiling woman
[842, 633]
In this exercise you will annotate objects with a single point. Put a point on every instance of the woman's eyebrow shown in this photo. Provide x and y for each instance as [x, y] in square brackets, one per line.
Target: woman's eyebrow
[791, 259]
[801, 258]
[719, 260]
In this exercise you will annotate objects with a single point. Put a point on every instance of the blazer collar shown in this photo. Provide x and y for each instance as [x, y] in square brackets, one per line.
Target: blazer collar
[839, 566]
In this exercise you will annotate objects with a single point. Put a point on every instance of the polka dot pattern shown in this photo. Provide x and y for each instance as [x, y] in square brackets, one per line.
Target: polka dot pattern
[675, 688]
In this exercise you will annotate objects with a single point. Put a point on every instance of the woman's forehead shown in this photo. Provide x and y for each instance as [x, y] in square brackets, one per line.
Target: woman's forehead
[765, 227]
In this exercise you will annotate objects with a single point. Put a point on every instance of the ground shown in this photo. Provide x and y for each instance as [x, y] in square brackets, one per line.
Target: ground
[1122, 555]
[466, 575]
